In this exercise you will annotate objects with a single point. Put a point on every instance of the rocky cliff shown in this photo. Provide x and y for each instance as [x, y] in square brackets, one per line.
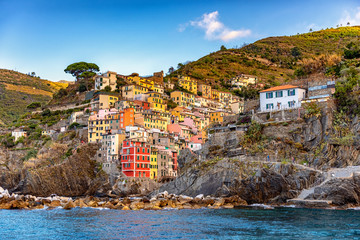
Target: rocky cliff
[288, 158]
[64, 167]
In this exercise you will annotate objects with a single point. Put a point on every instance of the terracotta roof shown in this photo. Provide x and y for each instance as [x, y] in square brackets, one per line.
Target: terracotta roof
[280, 88]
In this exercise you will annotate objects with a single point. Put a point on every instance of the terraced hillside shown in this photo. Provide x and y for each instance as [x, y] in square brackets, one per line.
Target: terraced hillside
[18, 90]
[276, 59]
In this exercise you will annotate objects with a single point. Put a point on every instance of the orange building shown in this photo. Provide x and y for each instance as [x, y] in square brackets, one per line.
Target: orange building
[122, 119]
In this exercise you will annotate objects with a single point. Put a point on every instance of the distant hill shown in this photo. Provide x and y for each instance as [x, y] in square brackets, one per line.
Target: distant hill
[18, 90]
[275, 59]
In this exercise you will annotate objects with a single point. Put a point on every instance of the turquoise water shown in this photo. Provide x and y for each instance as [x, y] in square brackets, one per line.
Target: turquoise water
[278, 223]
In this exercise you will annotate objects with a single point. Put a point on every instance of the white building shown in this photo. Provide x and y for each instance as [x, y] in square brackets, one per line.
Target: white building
[18, 133]
[106, 79]
[281, 97]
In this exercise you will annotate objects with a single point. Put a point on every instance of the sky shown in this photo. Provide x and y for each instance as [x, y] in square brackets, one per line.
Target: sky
[126, 36]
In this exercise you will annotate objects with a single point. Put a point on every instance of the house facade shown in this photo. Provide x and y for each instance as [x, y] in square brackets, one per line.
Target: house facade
[281, 97]
[104, 80]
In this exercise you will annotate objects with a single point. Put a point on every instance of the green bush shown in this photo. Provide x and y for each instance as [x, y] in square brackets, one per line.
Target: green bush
[74, 125]
[33, 105]
[32, 153]
[8, 141]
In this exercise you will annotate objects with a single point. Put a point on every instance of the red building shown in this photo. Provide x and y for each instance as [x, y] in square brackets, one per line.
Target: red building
[135, 159]
[141, 105]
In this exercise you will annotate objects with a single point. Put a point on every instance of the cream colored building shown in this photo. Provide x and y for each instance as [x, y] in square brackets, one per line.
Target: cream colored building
[104, 80]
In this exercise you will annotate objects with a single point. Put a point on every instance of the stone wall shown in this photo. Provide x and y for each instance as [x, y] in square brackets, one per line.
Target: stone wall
[251, 105]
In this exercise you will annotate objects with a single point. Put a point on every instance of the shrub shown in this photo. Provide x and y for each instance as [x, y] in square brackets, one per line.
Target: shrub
[107, 89]
[8, 141]
[33, 105]
[74, 125]
[32, 153]
[82, 88]
[312, 109]
[46, 112]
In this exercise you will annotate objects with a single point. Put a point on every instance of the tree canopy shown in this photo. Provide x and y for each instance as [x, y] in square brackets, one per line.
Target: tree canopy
[82, 70]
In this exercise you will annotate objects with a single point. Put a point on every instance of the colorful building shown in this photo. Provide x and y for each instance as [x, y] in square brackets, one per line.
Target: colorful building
[153, 163]
[215, 94]
[122, 119]
[99, 123]
[103, 100]
[188, 84]
[135, 159]
[156, 101]
[129, 91]
[183, 99]
[243, 80]
[205, 91]
[141, 105]
[104, 80]
[217, 116]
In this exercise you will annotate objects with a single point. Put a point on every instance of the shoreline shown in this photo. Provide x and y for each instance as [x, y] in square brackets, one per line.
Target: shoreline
[162, 201]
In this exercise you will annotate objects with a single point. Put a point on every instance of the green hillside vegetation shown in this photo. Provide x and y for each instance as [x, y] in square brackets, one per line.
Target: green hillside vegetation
[18, 91]
[275, 60]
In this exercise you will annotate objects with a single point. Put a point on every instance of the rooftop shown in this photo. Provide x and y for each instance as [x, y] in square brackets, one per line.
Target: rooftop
[279, 88]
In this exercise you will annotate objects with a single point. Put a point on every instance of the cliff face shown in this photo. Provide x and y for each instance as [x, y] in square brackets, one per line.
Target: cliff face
[79, 175]
[301, 154]
[253, 181]
[65, 168]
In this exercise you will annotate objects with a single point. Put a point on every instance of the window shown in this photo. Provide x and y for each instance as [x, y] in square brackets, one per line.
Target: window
[269, 95]
[269, 106]
[138, 165]
[279, 94]
[291, 103]
[291, 92]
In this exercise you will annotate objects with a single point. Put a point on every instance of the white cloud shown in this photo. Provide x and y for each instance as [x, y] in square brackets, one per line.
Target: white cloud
[352, 17]
[214, 29]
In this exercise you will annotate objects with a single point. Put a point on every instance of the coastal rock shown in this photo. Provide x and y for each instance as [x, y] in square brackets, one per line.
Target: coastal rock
[125, 208]
[184, 199]
[109, 205]
[80, 203]
[76, 176]
[137, 205]
[340, 191]
[55, 203]
[69, 205]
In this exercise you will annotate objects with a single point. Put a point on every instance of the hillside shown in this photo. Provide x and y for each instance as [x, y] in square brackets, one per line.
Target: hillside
[18, 90]
[275, 59]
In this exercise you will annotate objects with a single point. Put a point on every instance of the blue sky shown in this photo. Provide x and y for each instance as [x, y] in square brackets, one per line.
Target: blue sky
[44, 36]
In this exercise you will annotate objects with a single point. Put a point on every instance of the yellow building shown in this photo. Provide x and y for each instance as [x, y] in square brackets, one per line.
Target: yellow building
[151, 121]
[217, 116]
[188, 84]
[156, 102]
[153, 163]
[183, 99]
[129, 91]
[146, 83]
[215, 94]
[98, 125]
[205, 91]
[225, 97]
[103, 100]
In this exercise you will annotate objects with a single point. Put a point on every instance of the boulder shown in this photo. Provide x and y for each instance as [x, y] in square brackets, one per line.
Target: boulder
[125, 208]
[55, 203]
[137, 205]
[69, 205]
[184, 199]
[109, 205]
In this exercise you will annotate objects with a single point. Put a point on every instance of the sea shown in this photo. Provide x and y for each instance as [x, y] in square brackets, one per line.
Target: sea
[247, 223]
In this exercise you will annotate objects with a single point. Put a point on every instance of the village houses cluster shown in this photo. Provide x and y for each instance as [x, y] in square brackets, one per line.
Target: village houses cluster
[142, 123]
[140, 133]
